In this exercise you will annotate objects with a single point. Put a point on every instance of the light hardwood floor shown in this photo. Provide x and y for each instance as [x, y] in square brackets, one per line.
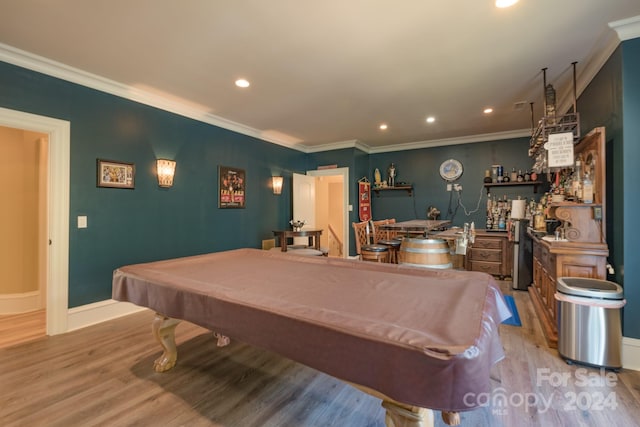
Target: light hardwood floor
[102, 376]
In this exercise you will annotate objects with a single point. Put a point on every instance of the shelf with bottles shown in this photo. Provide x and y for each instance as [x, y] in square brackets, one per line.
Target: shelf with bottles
[572, 204]
[498, 213]
[535, 184]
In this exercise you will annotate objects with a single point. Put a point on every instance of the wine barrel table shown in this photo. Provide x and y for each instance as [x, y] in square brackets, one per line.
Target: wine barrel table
[429, 253]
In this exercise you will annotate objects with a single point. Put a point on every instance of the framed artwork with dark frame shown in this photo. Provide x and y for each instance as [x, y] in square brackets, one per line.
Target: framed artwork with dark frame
[231, 187]
[115, 174]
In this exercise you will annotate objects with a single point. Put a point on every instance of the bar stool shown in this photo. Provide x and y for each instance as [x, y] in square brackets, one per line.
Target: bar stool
[387, 238]
[365, 248]
[394, 246]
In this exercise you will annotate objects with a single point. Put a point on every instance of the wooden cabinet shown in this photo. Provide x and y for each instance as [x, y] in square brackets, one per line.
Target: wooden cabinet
[561, 259]
[492, 253]
[583, 253]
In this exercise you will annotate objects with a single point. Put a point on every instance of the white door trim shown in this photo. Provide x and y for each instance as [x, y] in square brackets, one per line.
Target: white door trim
[58, 210]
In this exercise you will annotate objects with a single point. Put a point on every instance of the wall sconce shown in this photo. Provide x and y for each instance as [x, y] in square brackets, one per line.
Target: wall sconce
[166, 170]
[276, 182]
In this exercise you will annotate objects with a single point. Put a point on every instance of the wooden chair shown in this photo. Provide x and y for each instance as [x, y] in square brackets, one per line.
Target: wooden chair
[379, 234]
[387, 238]
[365, 247]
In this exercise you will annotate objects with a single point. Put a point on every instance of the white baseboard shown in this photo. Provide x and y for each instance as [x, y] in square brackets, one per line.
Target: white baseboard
[20, 303]
[97, 312]
[631, 353]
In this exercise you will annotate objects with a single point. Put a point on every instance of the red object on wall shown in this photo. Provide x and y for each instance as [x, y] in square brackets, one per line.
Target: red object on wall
[364, 200]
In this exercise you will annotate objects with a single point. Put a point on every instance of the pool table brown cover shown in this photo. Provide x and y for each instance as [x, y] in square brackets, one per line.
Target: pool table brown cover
[420, 336]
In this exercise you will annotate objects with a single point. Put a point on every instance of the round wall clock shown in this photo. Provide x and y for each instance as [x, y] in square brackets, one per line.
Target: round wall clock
[450, 170]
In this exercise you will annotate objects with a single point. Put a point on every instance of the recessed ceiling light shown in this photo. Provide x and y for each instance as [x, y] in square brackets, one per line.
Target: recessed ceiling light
[383, 126]
[505, 3]
[431, 119]
[488, 110]
[242, 83]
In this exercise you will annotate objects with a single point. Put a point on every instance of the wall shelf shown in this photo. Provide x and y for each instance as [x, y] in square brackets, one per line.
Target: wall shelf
[535, 184]
[408, 188]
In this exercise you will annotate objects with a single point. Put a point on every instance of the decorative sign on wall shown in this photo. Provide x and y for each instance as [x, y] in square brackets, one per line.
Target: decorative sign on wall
[231, 187]
[560, 149]
[364, 199]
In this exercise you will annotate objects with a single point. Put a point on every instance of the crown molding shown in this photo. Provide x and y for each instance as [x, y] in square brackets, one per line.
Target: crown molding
[56, 69]
[628, 28]
[470, 139]
[352, 143]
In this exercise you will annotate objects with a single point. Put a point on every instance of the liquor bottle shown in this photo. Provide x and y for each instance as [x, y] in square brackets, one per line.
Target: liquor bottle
[527, 175]
[520, 176]
[568, 184]
[587, 188]
[577, 181]
[514, 175]
[501, 222]
[487, 177]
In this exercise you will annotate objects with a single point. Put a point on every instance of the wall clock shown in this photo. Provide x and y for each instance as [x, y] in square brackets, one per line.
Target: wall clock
[450, 170]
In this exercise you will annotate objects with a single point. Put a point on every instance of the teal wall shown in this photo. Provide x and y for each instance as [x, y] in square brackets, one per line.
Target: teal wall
[421, 168]
[150, 223]
[631, 174]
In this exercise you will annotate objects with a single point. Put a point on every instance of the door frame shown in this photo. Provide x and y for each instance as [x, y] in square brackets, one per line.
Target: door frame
[344, 172]
[57, 282]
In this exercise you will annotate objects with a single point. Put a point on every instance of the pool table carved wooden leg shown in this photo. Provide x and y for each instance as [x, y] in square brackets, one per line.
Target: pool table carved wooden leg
[401, 415]
[164, 328]
[451, 418]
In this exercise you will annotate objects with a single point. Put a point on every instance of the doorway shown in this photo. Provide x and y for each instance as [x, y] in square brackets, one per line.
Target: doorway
[328, 206]
[23, 222]
[56, 255]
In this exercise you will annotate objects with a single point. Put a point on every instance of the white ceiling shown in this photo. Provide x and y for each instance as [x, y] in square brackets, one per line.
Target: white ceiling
[325, 74]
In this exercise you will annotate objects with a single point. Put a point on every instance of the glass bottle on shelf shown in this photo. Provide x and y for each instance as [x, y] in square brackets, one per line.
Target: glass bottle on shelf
[538, 218]
[568, 183]
[514, 175]
[576, 186]
[587, 189]
[520, 177]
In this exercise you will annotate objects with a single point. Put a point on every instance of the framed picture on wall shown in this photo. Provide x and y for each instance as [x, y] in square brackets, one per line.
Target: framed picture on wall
[231, 187]
[116, 174]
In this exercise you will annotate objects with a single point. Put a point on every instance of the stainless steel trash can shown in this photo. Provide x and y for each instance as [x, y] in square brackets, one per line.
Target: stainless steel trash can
[589, 326]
